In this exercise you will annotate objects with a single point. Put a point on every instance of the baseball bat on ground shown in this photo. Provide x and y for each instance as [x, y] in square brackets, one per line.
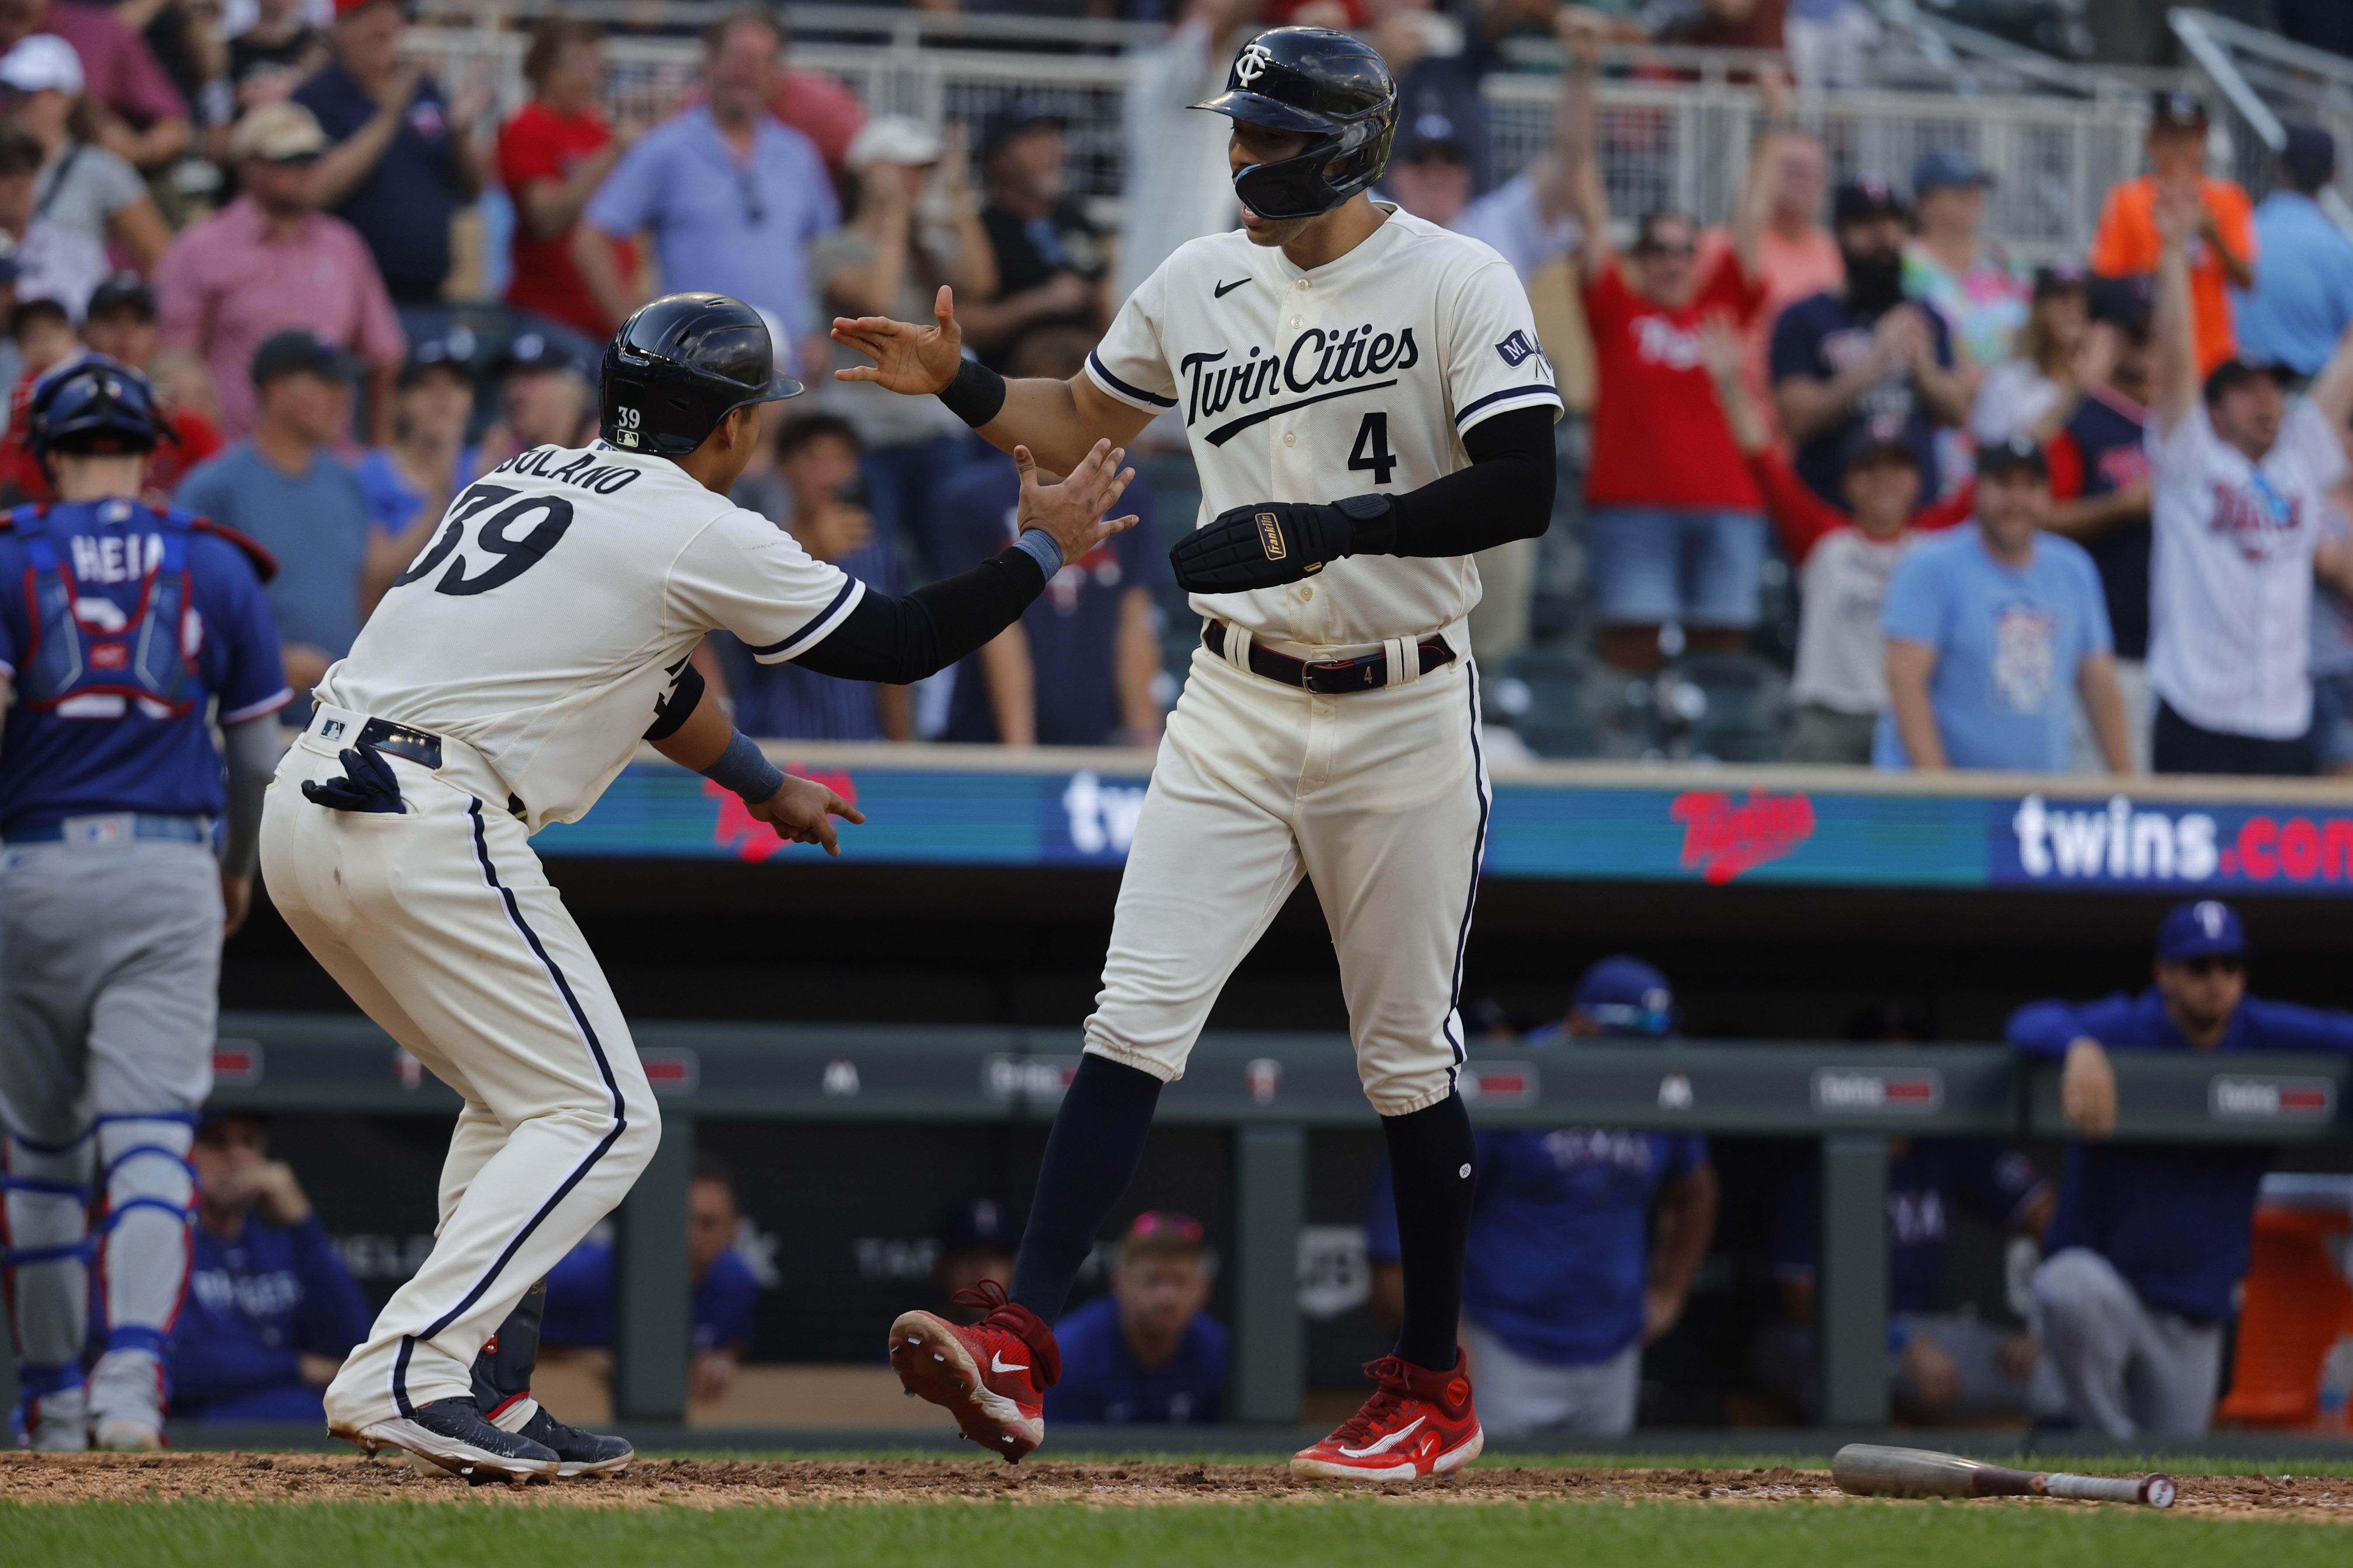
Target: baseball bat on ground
[1867, 1469]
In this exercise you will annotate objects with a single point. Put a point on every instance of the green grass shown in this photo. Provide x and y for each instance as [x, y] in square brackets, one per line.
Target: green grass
[1360, 1534]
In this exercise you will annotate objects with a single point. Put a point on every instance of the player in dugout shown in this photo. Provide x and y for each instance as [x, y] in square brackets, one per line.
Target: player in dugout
[1146, 1351]
[2151, 1239]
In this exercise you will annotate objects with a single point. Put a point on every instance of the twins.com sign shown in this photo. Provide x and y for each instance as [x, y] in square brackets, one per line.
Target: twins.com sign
[2121, 844]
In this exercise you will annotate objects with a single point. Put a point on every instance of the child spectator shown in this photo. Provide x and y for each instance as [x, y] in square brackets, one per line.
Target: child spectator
[2130, 242]
[1147, 1353]
[1862, 354]
[2021, 395]
[552, 155]
[88, 188]
[121, 326]
[271, 1310]
[1844, 557]
[410, 482]
[1991, 629]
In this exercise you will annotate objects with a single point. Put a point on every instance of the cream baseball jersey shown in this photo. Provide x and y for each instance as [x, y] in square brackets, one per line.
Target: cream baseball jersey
[1360, 376]
[557, 604]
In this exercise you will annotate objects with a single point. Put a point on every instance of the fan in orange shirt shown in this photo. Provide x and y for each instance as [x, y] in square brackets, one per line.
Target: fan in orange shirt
[2127, 244]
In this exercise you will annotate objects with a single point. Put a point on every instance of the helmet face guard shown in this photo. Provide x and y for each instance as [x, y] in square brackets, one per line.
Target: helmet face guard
[1332, 169]
[1325, 86]
[95, 403]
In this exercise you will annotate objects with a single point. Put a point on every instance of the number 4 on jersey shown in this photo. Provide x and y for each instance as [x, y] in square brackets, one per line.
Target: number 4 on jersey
[1372, 448]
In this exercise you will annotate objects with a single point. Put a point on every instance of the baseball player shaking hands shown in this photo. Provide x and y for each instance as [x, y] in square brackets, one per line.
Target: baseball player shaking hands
[1367, 405]
[504, 680]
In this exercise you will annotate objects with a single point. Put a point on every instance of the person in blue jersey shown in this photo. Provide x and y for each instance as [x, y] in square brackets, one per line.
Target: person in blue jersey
[1147, 1352]
[271, 1310]
[2144, 1259]
[1584, 1241]
[126, 633]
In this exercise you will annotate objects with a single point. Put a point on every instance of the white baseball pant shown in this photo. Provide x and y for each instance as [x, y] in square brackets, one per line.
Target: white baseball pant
[440, 923]
[2130, 1369]
[1378, 797]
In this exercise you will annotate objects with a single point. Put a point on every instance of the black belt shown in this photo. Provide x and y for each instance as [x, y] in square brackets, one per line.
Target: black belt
[418, 746]
[1326, 676]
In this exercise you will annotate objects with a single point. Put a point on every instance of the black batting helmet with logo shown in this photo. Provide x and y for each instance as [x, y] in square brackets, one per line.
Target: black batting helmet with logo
[1332, 89]
[679, 365]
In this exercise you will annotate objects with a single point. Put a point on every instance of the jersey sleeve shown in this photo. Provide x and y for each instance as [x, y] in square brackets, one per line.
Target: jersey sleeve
[1914, 610]
[252, 674]
[1493, 361]
[1130, 363]
[744, 575]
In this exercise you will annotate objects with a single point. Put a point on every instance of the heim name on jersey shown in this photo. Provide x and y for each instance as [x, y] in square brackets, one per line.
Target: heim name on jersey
[1360, 376]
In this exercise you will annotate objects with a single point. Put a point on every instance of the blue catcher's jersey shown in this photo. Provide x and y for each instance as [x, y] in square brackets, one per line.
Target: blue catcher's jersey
[119, 625]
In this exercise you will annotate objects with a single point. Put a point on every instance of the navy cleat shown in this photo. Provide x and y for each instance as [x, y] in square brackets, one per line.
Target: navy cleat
[578, 1453]
[451, 1433]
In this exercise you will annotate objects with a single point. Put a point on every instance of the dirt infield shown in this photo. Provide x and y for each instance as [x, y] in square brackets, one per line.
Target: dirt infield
[720, 1483]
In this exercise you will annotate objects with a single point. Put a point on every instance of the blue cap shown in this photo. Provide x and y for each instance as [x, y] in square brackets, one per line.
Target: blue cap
[980, 1226]
[1947, 168]
[2207, 928]
[1627, 997]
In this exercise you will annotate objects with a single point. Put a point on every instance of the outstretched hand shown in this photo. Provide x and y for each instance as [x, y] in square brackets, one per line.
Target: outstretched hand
[909, 359]
[802, 811]
[1072, 513]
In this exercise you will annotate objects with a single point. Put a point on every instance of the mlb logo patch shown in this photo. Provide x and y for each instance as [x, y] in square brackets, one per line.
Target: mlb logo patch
[331, 728]
[1516, 349]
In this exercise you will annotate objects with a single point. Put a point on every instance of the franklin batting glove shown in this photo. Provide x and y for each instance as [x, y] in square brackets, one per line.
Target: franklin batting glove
[1271, 544]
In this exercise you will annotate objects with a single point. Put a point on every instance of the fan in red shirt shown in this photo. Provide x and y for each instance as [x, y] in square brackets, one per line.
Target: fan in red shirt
[120, 325]
[552, 155]
[1674, 520]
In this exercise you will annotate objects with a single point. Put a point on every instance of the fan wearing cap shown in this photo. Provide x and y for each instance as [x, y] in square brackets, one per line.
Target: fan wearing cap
[1844, 555]
[1584, 1240]
[1147, 1353]
[1050, 257]
[2144, 1260]
[2302, 300]
[270, 262]
[1949, 266]
[977, 1243]
[1993, 632]
[409, 481]
[543, 399]
[2240, 476]
[83, 185]
[139, 113]
[552, 156]
[2221, 247]
[121, 326]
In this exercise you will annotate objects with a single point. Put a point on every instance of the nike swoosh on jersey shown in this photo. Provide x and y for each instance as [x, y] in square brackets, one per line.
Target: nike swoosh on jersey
[997, 1362]
[1223, 289]
[1386, 1444]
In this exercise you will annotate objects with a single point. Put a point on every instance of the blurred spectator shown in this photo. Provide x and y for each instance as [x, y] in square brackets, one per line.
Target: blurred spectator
[1583, 1244]
[1830, 43]
[270, 262]
[1991, 629]
[1079, 668]
[732, 197]
[1844, 557]
[1949, 268]
[2151, 1240]
[727, 1294]
[2302, 301]
[40, 338]
[2099, 483]
[140, 115]
[2018, 395]
[1050, 260]
[544, 399]
[2128, 242]
[402, 160]
[1796, 256]
[53, 262]
[82, 186]
[1176, 155]
[977, 1243]
[121, 326]
[1534, 219]
[1146, 1352]
[915, 226]
[1675, 525]
[1860, 353]
[818, 105]
[271, 1309]
[817, 458]
[1430, 175]
[552, 155]
[2239, 478]
[2332, 666]
[284, 488]
[273, 55]
[409, 483]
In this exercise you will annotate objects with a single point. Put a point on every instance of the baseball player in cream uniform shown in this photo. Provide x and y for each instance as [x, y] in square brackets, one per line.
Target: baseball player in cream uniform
[504, 682]
[1333, 347]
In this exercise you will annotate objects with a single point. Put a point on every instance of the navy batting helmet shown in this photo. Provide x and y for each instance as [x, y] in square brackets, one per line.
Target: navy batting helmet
[95, 404]
[1330, 87]
[679, 365]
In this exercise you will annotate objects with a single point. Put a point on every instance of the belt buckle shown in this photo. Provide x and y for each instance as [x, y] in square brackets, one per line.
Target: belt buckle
[1338, 677]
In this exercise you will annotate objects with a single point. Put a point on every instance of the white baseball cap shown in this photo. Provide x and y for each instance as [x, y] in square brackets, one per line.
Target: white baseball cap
[42, 60]
[893, 139]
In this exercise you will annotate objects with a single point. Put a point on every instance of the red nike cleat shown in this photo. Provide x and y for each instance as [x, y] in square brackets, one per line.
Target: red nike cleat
[1418, 1422]
[991, 1376]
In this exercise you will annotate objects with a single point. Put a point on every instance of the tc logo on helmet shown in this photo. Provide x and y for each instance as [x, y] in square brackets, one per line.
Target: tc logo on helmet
[1255, 59]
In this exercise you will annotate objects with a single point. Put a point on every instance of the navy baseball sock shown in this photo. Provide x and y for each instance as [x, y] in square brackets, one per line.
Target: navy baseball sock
[1431, 1160]
[1091, 1156]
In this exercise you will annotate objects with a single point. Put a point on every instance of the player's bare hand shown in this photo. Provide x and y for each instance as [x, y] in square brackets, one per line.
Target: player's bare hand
[1072, 513]
[1935, 1376]
[909, 359]
[1721, 346]
[1661, 1309]
[236, 900]
[802, 813]
[2087, 1088]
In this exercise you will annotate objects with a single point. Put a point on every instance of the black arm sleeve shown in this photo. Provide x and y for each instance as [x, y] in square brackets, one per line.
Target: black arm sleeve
[1505, 494]
[899, 641]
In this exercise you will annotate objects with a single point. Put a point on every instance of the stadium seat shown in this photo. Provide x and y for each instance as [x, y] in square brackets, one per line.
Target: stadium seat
[1731, 707]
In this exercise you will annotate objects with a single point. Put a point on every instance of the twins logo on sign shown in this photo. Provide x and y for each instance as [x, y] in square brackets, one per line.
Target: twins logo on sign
[1252, 63]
